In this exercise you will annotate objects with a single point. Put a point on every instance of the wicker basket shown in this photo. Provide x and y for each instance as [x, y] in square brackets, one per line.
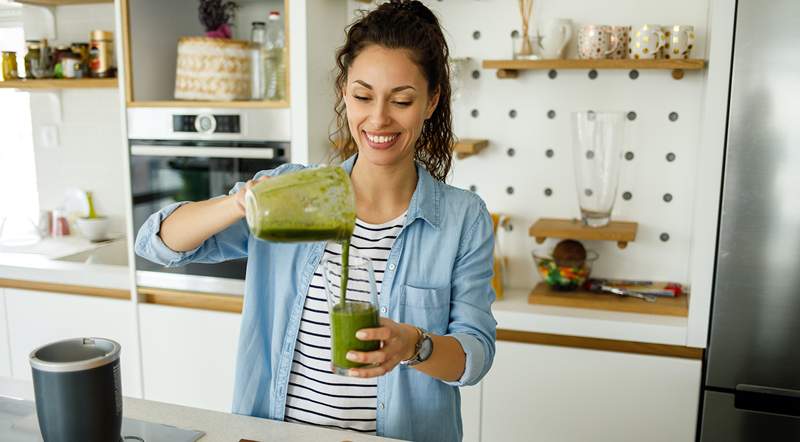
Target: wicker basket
[214, 69]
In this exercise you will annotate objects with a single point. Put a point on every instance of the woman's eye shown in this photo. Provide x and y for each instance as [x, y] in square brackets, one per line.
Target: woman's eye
[403, 103]
[361, 98]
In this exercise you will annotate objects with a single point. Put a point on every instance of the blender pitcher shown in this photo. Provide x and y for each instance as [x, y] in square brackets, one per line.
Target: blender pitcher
[316, 204]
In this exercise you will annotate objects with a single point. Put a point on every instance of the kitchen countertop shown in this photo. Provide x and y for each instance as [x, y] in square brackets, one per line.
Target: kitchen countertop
[218, 426]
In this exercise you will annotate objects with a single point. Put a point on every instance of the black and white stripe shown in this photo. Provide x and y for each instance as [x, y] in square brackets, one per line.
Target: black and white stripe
[315, 395]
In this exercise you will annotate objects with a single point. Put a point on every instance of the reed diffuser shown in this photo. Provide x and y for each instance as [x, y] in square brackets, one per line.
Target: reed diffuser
[525, 49]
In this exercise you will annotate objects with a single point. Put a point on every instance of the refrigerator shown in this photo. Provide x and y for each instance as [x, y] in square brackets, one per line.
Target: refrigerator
[751, 384]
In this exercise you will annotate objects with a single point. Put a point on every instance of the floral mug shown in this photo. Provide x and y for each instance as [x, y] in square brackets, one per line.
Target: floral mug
[646, 42]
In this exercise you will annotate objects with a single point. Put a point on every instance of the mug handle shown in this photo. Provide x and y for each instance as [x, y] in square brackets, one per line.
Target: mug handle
[614, 48]
[566, 32]
[662, 38]
[690, 43]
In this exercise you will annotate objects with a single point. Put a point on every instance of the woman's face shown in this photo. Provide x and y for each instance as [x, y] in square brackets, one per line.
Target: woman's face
[387, 102]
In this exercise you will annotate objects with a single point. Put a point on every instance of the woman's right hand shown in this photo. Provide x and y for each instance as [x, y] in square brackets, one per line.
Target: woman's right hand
[239, 197]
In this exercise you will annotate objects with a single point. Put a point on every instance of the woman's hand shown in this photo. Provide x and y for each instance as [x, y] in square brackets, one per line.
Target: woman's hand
[398, 343]
[239, 196]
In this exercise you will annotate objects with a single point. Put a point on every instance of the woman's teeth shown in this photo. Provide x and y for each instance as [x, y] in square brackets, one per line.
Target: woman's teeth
[381, 139]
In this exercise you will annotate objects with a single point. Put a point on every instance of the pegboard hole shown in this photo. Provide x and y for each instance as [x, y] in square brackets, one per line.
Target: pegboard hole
[511, 152]
[667, 197]
[552, 74]
[474, 113]
[673, 116]
[548, 192]
[627, 196]
[633, 74]
[664, 237]
[670, 157]
[549, 153]
[510, 190]
[589, 154]
[476, 35]
[551, 114]
[629, 156]
[512, 113]
[631, 115]
[473, 188]
[476, 74]
[593, 74]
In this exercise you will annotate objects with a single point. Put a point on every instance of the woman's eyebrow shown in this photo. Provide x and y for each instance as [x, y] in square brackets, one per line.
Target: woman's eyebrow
[397, 89]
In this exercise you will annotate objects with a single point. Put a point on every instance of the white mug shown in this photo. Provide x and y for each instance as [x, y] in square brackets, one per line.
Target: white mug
[557, 34]
[680, 41]
[646, 42]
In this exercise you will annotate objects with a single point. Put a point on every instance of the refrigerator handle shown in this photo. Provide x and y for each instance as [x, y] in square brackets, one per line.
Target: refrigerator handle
[767, 399]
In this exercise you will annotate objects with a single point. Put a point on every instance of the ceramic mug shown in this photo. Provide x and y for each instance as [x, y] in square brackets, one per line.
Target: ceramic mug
[594, 42]
[620, 36]
[646, 42]
[557, 34]
[680, 41]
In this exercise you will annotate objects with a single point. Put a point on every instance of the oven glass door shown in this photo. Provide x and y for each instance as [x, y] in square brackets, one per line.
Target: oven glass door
[166, 172]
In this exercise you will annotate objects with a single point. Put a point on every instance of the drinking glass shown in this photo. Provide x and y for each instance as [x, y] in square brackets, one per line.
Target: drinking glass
[597, 139]
[316, 204]
[358, 310]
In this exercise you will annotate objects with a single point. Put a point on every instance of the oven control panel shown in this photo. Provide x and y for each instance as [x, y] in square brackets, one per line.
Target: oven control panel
[206, 124]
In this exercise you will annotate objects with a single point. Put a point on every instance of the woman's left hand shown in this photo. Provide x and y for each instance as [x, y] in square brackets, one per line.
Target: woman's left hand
[399, 342]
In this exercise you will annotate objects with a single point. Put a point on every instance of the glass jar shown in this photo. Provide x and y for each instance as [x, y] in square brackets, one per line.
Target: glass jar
[42, 67]
[71, 65]
[82, 51]
[9, 66]
[101, 54]
[59, 54]
[32, 57]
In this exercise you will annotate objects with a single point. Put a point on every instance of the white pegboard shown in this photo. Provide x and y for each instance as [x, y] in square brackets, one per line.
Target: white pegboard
[651, 136]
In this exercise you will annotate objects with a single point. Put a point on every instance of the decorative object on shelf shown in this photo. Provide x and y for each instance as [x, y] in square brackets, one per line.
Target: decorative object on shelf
[9, 70]
[215, 16]
[469, 146]
[500, 265]
[101, 54]
[567, 268]
[620, 231]
[556, 37]
[595, 42]
[214, 69]
[621, 36]
[680, 41]
[597, 139]
[646, 42]
[523, 45]
[458, 65]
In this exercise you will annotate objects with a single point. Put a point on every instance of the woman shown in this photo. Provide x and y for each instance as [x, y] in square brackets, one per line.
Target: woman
[431, 244]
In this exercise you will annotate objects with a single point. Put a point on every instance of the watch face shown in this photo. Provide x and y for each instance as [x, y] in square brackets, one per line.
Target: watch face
[426, 348]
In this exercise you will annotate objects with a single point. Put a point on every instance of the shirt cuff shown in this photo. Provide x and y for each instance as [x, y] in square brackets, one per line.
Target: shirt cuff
[474, 359]
[156, 246]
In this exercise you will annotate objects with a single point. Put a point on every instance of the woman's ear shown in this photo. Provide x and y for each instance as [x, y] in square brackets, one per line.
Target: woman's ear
[434, 101]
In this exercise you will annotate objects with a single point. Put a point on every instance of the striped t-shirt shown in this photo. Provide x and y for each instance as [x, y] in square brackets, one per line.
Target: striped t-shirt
[315, 395]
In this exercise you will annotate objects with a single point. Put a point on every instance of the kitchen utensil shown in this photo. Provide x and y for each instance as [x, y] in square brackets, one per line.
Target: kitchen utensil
[557, 34]
[314, 204]
[679, 41]
[597, 139]
[94, 229]
[564, 277]
[595, 286]
[595, 42]
[620, 38]
[646, 42]
[77, 387]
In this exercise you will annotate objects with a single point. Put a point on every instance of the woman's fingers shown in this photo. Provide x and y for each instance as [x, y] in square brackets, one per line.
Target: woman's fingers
[374, 334]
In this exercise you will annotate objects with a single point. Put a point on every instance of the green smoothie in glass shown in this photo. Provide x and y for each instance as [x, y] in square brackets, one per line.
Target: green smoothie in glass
[347, 318]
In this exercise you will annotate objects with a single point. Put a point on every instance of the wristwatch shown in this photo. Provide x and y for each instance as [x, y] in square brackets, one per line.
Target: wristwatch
[422, 351]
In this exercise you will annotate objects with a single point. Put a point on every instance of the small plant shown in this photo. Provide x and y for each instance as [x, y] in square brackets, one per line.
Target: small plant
[216, 15]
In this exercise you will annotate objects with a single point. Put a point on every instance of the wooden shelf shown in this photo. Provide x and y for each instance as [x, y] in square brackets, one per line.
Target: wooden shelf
[620, 231]
[62, 2]
[543, 295]
[469, 146]
[511, 68]
[213, 104]
[76, 83]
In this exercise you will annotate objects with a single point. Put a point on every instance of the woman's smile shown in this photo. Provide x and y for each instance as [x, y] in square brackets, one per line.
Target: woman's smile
[381, 140]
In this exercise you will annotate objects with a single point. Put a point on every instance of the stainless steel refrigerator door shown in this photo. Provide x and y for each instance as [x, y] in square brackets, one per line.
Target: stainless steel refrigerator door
[723, 422]
[755, 326]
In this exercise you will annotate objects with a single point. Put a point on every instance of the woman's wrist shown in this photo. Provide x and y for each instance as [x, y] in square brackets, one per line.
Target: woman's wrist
[414, 336]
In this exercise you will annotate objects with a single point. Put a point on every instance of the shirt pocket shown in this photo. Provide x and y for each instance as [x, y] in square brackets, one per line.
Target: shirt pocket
[427, 308]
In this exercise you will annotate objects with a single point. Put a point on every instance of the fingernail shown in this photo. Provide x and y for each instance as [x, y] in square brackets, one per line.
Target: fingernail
[361, 334]
[351, 356]
[353, 372]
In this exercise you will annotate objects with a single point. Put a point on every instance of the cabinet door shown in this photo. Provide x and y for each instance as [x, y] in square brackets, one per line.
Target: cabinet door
[189, 355]
[471, 413]
[37, 318]
[549, 393]
[5, 353]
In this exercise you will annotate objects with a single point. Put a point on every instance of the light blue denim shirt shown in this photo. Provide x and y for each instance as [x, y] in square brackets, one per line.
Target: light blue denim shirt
[437, 277]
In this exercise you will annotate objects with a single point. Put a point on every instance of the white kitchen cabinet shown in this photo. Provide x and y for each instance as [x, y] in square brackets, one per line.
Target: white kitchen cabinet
[189, 355]
[5, 353]
[471, 413]
[560, 394]
[36, 318]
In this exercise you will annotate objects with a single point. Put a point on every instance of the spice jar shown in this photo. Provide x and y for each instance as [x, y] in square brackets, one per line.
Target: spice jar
[101, 55]
[9, 66]
[71, 65]
[82, 51]
[58, 55]
[32, 57]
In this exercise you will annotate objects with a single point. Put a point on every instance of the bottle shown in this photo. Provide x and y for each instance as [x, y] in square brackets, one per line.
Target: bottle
[275, 65]
[258, 77]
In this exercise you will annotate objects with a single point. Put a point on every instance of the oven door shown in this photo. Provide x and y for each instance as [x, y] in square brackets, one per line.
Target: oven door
[164, 172]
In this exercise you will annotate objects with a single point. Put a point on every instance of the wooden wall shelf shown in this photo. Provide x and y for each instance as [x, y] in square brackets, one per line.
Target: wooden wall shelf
[62, 2]
[543, 295]
[469, 146]
[511, 68]
[77, 83]
[620, 231]
[213, 104]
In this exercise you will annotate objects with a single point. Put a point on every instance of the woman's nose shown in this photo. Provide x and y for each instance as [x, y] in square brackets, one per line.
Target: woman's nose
[379, 115]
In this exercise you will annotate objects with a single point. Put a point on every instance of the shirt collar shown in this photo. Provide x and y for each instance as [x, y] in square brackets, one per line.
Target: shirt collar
[424, 202]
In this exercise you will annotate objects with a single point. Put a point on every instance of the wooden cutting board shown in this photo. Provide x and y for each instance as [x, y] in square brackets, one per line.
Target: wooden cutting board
[543, 295]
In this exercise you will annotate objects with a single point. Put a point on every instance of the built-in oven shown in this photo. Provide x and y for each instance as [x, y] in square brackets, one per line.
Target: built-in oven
[186, 155]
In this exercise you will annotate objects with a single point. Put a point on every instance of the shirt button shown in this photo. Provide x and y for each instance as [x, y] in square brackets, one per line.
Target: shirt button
[381, 406]
[391, 266]
[384, 310]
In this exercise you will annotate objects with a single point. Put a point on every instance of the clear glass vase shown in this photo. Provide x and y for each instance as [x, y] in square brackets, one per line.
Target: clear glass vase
[597, 139]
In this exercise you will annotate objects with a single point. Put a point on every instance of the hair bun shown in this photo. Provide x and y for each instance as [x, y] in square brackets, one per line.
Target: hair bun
[416, 8]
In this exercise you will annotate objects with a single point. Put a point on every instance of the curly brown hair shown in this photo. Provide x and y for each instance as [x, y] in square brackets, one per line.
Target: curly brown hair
[410, 25]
